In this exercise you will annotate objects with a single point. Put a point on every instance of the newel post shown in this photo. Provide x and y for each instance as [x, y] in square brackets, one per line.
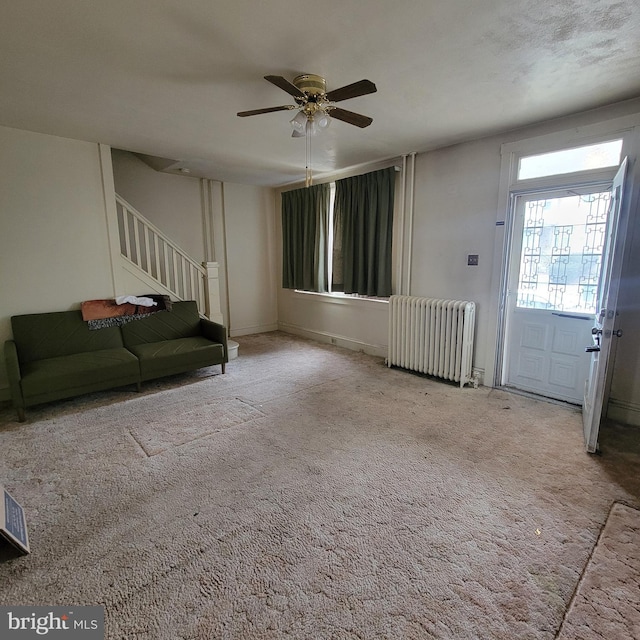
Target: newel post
[212, 292]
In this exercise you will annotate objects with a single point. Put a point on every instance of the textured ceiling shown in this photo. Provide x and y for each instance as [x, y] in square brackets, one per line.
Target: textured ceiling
[167, 78]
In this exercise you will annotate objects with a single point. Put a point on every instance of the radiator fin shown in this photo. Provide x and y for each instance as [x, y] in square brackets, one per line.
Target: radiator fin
[432, 336]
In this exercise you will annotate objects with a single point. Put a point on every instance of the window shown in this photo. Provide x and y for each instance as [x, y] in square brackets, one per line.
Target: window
[345, 229]
[593, 156]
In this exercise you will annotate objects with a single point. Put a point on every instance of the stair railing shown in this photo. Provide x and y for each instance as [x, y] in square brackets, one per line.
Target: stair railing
[145, 246]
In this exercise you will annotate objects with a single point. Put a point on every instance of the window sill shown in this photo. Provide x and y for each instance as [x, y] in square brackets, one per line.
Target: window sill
[339, 298]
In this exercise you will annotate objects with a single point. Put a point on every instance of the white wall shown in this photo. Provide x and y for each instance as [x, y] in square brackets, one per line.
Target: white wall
[53, 241]
[173, 203]
[455, 214]
[54, 250]
[239, 217]
[250, 258]
[624, 401]
[361, 325]
[456, 195]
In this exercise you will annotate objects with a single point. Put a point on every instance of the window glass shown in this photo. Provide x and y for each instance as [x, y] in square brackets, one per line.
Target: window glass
[562, 243]
[593, 156]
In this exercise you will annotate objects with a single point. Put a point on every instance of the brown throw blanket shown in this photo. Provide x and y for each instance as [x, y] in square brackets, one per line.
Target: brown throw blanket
[106, 313]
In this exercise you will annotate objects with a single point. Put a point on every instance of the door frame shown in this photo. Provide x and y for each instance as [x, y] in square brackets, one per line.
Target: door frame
[627, 128]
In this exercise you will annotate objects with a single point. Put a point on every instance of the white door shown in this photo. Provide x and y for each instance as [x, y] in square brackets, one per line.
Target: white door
[604, 329]
[558, 241]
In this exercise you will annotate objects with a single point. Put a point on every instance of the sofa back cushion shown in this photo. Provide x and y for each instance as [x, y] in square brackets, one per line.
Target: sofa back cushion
[39, 336]
[183, 321]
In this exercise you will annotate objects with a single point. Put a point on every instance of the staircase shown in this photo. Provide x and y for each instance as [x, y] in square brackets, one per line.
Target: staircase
[161, 265]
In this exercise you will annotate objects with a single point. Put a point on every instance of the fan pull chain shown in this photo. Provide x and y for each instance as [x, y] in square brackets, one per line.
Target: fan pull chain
[308, 178]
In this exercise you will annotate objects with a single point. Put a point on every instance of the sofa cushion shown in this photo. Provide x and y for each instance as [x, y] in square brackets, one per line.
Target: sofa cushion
[39, 336]
[79, 371]
[175, 356]
[183, 321]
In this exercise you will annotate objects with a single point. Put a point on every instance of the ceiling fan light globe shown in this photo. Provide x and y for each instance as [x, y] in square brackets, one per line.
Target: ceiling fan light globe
[299, 122]
[322, 121]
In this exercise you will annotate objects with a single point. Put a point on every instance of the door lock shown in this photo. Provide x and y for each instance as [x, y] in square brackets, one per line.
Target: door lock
[596, 333]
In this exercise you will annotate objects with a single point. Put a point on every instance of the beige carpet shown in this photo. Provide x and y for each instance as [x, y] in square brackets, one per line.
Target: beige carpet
[155, 433]
[607, 602]
[310, 492]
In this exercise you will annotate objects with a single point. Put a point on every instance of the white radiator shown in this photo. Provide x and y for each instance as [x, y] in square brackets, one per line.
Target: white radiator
[432, 336]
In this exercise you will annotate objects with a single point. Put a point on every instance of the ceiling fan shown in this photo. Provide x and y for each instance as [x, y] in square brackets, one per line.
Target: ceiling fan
[314, 103]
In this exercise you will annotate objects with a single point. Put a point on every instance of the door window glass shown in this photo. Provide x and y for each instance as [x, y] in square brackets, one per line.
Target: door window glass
[561, 257]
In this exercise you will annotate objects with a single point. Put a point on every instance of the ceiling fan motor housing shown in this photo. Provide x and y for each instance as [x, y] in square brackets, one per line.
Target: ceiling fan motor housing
[311, 84]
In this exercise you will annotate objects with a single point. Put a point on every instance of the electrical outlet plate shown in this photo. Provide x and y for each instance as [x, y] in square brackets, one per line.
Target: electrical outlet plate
[472, 260]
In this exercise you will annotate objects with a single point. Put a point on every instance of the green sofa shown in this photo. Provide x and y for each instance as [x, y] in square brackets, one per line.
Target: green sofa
[55, 355]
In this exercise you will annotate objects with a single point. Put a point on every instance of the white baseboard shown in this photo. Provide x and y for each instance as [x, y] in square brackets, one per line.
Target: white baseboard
[340, 341]
[245, 331]
[624, 412]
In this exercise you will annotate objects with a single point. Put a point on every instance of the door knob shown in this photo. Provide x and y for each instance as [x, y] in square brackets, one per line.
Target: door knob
[617, 333]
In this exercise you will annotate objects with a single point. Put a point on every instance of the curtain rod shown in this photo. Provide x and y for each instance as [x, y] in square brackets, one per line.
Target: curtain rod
[352, 171]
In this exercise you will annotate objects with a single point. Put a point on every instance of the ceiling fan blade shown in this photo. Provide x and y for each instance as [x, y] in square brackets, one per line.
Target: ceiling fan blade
[285, 85]
[255, 112]
[356, 119]
[361, 88]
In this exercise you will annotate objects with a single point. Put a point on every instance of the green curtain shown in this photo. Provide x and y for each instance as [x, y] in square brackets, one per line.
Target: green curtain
[363, 229]
[305, 232]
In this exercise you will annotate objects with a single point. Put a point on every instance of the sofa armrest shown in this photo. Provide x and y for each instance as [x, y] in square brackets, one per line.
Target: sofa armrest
[215, 332]
[13, 372]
